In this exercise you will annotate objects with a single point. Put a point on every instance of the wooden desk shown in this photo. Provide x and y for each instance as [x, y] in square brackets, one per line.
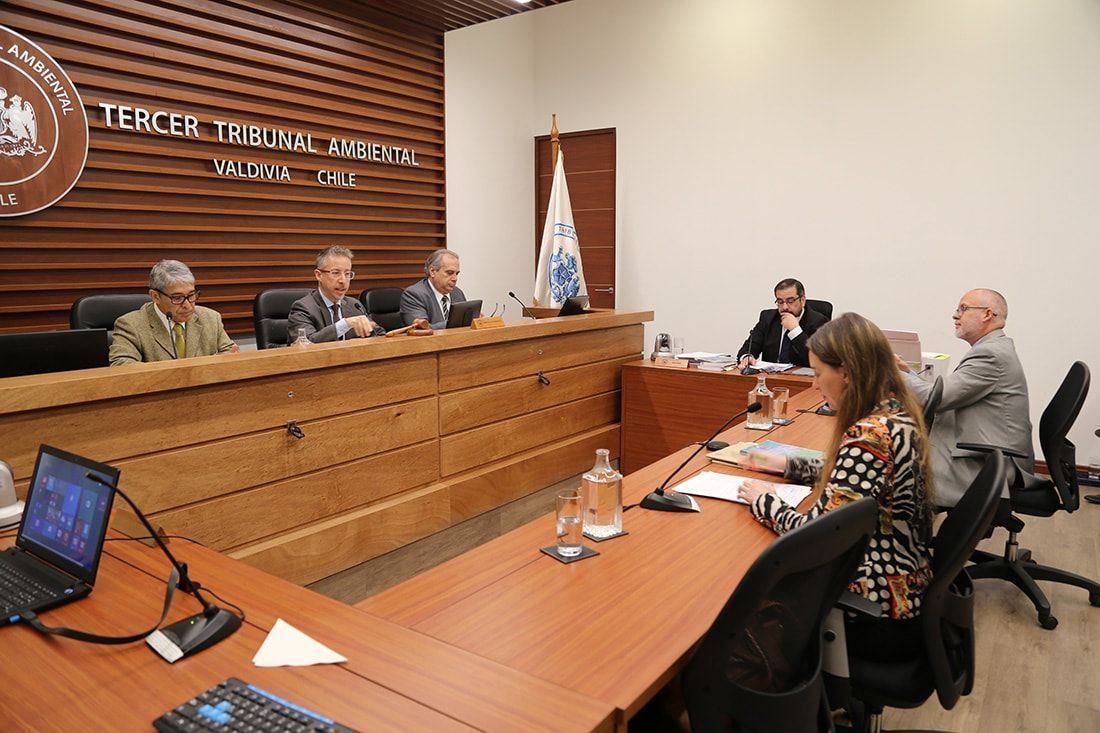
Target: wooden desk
[615, 627]
[404, 437]
[395, 679]
[665, 408]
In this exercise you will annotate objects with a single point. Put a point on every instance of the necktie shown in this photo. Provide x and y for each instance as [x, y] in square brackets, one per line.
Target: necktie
[336, 316]
[181, 340]
[445, 302]
[785, 349]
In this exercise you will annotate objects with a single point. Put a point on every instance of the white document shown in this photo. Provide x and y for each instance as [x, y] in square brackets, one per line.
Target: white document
[771, 367]
[723, 486]
[286, 646]
[706, 356]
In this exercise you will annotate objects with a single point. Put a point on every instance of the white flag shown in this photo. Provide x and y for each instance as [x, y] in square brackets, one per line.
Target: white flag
[559, 273]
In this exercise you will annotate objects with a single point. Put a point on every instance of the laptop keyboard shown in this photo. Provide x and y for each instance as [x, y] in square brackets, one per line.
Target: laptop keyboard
[235, 705]
[19, 591]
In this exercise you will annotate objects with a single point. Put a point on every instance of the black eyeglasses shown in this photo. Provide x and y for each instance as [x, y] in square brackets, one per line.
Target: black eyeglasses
[788, 301]
[179, 297]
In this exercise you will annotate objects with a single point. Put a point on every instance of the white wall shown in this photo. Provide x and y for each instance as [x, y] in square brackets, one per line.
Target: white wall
[891, 155]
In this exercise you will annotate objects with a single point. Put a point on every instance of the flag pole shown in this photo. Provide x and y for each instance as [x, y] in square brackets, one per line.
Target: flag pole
[554, 143]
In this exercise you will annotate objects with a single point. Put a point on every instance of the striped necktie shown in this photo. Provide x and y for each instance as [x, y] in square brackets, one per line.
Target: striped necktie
[445, 303]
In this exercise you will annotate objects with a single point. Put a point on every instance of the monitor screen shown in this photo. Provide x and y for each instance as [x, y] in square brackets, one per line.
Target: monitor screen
[52, 351]
[574, 306]
[65, 519]
[463, 313]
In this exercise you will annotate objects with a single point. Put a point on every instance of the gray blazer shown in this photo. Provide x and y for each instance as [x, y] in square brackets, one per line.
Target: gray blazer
[984, 401]
[418, 301]
[311, 316]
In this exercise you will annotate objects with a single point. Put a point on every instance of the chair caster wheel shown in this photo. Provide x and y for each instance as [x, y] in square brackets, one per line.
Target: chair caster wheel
[1094, 599]
[1048, 622]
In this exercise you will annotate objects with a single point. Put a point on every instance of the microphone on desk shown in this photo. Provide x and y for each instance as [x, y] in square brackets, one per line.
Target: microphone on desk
[521, 305]
[671, 501]
[194, 633]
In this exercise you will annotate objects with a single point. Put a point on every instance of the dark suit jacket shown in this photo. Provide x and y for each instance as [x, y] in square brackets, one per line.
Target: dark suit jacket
[764, 336]
[141, 335]
[418, 301]
[311, 316]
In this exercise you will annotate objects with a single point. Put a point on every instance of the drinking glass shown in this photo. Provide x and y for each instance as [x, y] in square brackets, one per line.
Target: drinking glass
[570, 524]
[781, 397]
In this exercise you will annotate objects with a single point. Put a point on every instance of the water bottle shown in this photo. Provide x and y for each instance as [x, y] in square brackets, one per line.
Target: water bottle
[602, 494]
[762, 418]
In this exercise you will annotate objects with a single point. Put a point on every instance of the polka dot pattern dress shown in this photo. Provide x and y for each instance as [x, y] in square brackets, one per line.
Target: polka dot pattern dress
[879, 457]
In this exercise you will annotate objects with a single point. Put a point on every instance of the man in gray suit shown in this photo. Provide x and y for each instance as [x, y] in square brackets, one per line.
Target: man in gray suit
[431, 298]
[329, 313]
[984, 399]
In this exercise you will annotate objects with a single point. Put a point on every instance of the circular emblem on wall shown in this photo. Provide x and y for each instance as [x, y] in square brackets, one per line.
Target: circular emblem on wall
[43, 128]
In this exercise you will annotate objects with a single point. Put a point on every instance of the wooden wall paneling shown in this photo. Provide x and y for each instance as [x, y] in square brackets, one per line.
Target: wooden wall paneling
[278, 507]
[482, 405]
[509, 480]
[474, 367]
[308, 67]
[590, 172]
[164, 421]
[319, 550]
[492, 442]
[244, 461]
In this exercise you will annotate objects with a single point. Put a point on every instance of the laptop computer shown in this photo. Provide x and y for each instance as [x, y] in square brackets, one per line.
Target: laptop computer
[905, 344]
[60, 541]
[463, 313]
[52, 351]
[574, 306]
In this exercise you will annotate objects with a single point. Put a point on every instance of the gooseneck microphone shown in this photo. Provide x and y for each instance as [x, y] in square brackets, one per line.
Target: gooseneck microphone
[671, 501]
[521, 305]
[192, 634]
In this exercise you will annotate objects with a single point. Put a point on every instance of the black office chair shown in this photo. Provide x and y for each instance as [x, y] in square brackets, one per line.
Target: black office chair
[823, 307]
[1094, 498]
[759, 666]
[945, 664]
[102, 310]
[384, 307]
[269, 315]
[932, 402]
[1041, 497]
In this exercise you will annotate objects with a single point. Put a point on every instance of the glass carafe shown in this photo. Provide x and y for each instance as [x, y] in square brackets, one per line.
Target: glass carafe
[602, 494]
[762, 418]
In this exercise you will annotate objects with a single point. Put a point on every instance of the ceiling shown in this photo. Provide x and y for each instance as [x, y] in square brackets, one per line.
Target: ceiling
[449, 15]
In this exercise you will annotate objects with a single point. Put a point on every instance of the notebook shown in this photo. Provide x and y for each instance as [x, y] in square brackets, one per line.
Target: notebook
[57, 551]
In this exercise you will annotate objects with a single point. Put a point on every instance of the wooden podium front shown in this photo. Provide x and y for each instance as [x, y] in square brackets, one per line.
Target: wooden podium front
[666, 409]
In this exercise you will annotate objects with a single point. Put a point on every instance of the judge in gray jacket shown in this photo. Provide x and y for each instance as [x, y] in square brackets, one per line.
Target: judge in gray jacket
[984, 399]
[329, 313]
[431, 298]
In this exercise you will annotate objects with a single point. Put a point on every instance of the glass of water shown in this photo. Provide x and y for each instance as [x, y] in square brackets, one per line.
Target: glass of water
[570, 524]
[781, 400]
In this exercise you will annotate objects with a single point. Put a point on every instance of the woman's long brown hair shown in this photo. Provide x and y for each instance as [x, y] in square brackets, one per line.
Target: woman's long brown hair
[853, 342]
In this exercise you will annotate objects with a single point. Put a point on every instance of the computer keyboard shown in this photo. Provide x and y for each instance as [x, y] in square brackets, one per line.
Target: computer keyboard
[19, 590]
[235, 705]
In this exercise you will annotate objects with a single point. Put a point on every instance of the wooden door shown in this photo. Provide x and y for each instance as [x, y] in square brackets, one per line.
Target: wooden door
[590, 173]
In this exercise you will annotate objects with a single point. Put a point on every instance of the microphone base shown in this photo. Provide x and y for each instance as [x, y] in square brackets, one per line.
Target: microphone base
[670, 501]
[195, 633]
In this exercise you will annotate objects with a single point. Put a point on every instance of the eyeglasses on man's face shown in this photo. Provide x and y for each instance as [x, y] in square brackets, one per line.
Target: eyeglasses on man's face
[964, 308]
[178, 298]
[347, 274]
[788, 301]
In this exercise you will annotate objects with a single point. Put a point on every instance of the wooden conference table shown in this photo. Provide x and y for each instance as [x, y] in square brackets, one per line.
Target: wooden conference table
[615, 627]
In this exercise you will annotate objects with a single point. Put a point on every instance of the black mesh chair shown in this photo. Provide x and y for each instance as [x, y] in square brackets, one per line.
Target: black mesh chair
[269, 314]
[384, 307]
[932, 402]
[102, 310]
[823, 307]
[1041, 497]
[759, 666]
[945, 663]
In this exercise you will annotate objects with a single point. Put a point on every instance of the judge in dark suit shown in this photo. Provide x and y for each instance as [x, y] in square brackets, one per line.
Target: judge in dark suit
[329, 313]
[780, 334]
[172, 326]
[431, 298]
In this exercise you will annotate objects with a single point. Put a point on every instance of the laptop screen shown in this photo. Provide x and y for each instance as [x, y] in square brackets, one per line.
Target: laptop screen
[66, 516]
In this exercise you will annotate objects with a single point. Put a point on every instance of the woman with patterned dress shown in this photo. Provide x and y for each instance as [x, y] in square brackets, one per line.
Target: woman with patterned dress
[879, 449]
